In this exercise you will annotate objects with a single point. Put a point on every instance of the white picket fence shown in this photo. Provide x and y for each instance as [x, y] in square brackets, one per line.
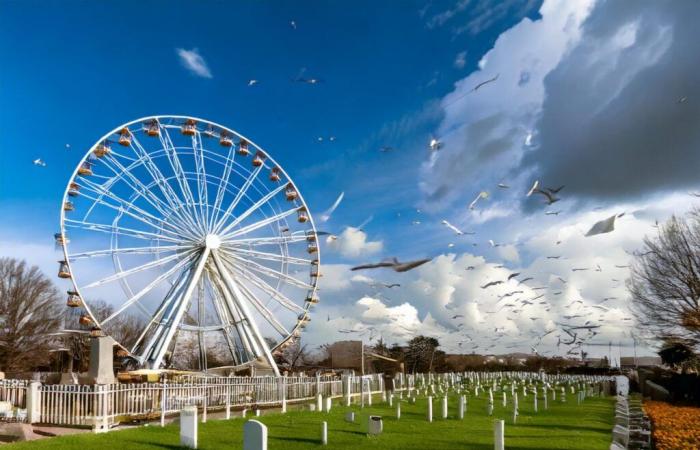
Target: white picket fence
[101, 406]
[90, 405]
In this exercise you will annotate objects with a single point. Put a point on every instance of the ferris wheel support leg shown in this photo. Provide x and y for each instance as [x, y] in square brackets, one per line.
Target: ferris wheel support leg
[181, 307]
[240, 325]
[238, 298]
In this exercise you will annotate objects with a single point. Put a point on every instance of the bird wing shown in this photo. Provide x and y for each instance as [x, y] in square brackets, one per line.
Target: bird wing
[327, 214]
[405, 267]
[533, 188]
[603, 226]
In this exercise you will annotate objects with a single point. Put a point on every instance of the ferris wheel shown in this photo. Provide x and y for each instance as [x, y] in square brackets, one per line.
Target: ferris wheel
[189, 245]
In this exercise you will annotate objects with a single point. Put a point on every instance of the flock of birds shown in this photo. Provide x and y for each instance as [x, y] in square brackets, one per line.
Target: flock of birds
[574, 332]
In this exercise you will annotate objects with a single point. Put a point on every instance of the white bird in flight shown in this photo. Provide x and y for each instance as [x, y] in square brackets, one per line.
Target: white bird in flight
[252, 82]
[457, 231]
[482, 194]
[435, 144]
[39, 162]
[327, 214]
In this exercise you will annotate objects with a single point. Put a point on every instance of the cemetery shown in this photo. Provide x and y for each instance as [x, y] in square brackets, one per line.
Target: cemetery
[472, 410]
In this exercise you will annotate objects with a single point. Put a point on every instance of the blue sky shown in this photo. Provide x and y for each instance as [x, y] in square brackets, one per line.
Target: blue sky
[105, 63]
[597, 96]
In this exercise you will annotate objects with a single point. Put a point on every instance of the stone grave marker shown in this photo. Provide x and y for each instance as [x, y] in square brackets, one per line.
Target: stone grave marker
[254, 435]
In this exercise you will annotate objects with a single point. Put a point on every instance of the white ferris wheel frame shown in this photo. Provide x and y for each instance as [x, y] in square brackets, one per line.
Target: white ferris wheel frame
[221, 268]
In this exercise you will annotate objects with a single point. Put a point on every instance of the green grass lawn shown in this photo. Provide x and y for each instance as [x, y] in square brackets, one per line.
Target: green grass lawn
[564, 426]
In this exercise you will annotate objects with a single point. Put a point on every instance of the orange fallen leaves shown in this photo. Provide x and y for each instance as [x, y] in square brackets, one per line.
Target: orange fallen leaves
[675, 427]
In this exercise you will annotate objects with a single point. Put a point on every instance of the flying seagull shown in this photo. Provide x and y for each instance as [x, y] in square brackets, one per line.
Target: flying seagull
[293, 24]
[490, 80]
[513, 275]
[549, 194]
[457, 231]
[435, 144]
[327, 214]
[603, 226]
[503, 186]
[492, 283]
[39, 162]
[482, 194]
[252, 82]
[394, 264]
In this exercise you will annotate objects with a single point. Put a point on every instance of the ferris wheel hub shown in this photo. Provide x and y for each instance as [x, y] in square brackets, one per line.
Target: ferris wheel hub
[212, 241]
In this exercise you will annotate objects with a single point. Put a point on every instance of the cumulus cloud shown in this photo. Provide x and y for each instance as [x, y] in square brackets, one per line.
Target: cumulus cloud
[352, 243]
[193, 61]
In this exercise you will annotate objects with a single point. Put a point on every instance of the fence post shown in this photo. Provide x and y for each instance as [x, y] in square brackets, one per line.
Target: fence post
[33, 402]
[163, 404]
[283, 385]
[228, 398]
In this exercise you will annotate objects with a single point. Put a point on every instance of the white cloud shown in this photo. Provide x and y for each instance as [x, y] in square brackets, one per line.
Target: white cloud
[194, 62]
[509, 253]
[352, 243]
[460, 60]
[483, 132]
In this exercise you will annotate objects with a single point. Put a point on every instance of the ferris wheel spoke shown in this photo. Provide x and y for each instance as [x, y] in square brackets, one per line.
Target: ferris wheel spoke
[128, 251]
[200, 170]
[261, 223]
[277, 240]
[137, 269]
[163, 207]
[171, 156]
[265, 287]
[139, 295]
[111, 229]
[223, 183]
[239, 195]
[232, 286]
[252, 209]
[155, 173]
[264, 270]
[262, 309]
[140, 217]
[271, 256]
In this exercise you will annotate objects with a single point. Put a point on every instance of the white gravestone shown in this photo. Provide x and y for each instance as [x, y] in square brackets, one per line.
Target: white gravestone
[460, 410]
[324, 433]
[350, 416]
[254, 436]
[430, 409]
[188, 427]
[505, 399]
[444, 407]
[374, 425]
[319, 403]
[398, 410]
[329, 404]
[498, 435]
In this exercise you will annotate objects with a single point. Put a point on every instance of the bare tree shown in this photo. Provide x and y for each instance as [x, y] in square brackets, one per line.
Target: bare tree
[30, 311]
[292, 356]
[665, 280]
